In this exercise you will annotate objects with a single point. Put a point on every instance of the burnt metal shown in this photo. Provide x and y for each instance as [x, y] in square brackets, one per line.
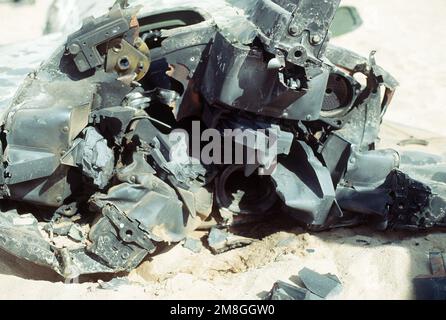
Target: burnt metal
[316, 286]
[323, 286]
[432, 287]
[285, 291]
[90, 141]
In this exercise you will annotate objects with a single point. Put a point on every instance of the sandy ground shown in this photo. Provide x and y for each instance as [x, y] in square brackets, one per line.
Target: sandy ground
[410, 39]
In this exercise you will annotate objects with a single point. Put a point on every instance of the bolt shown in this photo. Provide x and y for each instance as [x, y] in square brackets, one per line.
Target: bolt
[65, 129]
[308, 117]
[316, 39]
[74, 49]
[59, 199]
[293, 30]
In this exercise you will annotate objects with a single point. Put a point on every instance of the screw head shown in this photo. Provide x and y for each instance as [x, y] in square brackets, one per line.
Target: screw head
[316, 39]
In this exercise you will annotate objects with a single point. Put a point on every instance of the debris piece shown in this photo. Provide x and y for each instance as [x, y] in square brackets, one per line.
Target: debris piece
[220, 241]
[413, 141]
[432, 287]
[324, 286]
[193, 245]
[97, 160]
[284, 291]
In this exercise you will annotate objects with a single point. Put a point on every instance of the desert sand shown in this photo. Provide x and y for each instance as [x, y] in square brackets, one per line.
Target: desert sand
[409, 38]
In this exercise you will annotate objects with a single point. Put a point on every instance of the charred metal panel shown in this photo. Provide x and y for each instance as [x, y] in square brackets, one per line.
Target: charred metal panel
[99, 136]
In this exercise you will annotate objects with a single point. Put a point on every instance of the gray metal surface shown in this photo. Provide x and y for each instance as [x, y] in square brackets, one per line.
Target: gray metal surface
[90, 122]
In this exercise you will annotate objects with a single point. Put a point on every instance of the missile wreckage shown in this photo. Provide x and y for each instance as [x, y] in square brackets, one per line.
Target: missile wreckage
[112, 141]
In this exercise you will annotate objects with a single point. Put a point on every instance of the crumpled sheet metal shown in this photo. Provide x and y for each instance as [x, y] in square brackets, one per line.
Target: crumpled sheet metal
[316, 286]
[108, 156]
[20, 236]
